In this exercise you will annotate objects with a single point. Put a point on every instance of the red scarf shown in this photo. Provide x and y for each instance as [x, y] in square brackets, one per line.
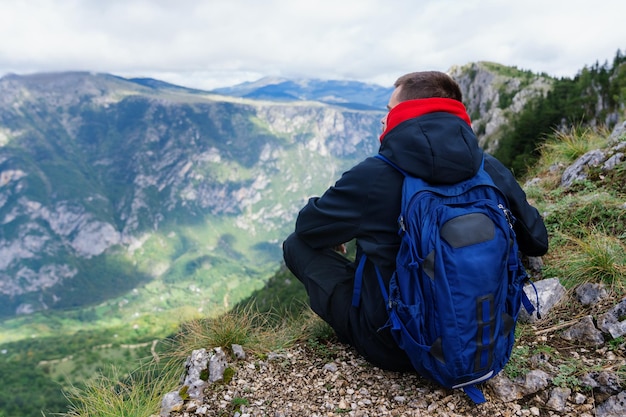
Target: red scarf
[414, 108]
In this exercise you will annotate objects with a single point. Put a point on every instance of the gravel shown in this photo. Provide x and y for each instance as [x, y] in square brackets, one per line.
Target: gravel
[332, 380]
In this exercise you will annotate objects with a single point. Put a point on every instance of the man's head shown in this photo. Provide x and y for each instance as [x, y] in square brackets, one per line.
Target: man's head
[427, 84]
[420, 85]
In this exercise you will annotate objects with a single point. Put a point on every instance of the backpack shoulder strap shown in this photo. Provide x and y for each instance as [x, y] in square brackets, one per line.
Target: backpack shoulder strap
[387, 160]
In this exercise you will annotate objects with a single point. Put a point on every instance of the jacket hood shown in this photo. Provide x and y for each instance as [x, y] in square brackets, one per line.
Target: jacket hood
[432, 139]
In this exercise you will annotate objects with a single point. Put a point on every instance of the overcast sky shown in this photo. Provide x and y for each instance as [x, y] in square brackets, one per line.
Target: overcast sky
[213, 43]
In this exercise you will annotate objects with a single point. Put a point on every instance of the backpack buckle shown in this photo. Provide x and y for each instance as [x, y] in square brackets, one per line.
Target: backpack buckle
[401, 223]
[507, 214]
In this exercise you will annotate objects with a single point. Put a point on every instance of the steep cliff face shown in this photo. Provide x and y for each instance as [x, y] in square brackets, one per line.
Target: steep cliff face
[94, 167]
[493, 94]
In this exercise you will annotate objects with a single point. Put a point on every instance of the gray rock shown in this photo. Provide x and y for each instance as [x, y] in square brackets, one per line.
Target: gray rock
[614, 406]
[535, 264]
[579, 398]
[542, 360]
[171, 402]
[619, 131]
[194, 381]
[273, 356]
[217, 365]
[584, 332]
[195, 366]
[612, 162]
[576, 171]
[534, 381]
[550, 292]
[532, 182]
[507, 390]
[331, 367]
[609, 322]
[558, 398]
[238, 352]
[504, 388]
[605, 382]
[589, 293]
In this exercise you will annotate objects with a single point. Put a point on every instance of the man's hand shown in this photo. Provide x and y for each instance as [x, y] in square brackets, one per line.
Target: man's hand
[341, 248]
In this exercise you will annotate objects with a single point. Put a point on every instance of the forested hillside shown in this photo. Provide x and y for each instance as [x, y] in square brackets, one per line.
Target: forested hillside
[594, 97]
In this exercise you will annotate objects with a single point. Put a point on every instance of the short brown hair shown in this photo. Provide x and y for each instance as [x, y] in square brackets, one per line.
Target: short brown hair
[426, 84]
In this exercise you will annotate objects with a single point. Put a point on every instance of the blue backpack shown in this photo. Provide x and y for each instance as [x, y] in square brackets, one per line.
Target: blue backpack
[455, 295]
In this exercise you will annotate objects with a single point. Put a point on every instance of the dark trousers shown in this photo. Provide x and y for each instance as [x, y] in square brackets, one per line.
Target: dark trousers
[328, 278]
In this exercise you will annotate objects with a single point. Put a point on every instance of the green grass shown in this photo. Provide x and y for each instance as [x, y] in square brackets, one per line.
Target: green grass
[115, 394]
[587, 221]
[566, 147]
[596, 257]
[138, 393]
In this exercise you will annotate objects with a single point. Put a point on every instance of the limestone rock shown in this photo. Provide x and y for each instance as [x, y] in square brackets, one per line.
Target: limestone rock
[590, 293]
[615, 406]
[609, 322]
[550, 292]
[584, 332]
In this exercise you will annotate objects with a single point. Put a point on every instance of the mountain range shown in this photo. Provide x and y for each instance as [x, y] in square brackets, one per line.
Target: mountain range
[139, 190]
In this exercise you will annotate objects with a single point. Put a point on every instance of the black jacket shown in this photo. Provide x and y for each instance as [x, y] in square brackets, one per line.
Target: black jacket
[364, 204]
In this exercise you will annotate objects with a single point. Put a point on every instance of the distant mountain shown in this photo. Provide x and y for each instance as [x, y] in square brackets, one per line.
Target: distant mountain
[350, 94]
[108, 185]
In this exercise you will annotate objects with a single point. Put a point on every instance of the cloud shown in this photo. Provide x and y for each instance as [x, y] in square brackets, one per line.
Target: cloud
[206, 44]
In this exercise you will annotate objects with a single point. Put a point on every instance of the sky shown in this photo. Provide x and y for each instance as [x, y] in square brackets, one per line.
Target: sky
[216, 43]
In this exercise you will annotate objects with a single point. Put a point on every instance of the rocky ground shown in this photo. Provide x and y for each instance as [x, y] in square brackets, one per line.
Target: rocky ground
[332, 380]
[550, 374]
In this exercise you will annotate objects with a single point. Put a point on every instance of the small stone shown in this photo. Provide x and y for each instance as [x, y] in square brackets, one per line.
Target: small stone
[584, 331]
[614, 406]
[579, 398]
[238, 352]
[330, 367]
[610, 321]
[590, 293]
[558, 399]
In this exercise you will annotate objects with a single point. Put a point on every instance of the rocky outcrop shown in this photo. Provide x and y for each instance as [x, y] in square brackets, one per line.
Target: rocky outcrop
[493, 94]
[605, 160]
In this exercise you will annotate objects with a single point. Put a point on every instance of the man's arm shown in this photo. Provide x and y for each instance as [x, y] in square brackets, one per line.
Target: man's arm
[335, 217]
[530, 229]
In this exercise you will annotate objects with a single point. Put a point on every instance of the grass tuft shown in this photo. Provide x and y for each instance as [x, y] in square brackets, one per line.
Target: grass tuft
[567, 146]
[135, 395]
[596, 257]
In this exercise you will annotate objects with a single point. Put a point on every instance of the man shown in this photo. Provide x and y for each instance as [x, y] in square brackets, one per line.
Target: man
[428, 134]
